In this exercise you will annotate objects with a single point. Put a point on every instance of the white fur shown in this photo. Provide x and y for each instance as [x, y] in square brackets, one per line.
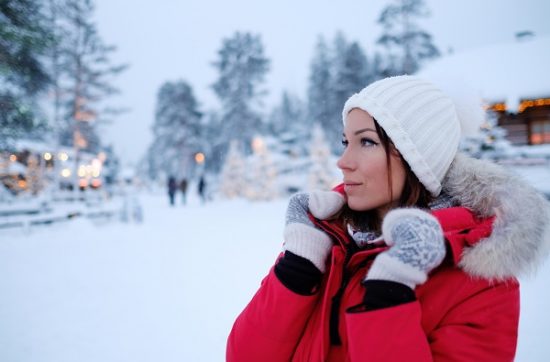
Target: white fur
[521, 232]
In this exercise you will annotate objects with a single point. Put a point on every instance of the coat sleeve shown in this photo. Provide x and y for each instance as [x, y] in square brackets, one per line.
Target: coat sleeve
[270, 326]
[482, 327]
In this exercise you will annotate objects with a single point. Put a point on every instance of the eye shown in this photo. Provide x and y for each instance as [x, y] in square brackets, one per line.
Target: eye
[367, 142]
[345, 142]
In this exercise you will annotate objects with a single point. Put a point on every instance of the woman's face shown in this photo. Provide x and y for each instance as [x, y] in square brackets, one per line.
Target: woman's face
[364, 166]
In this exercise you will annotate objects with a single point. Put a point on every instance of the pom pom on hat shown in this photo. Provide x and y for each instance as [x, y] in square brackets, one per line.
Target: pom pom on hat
[424, 123]
[468, 103]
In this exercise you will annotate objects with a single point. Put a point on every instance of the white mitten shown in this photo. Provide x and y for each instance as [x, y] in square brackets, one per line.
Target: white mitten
[416, 245]
[324, 204]
[301, 236]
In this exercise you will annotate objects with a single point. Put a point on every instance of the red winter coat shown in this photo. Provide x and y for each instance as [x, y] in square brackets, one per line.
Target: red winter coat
[456, 317]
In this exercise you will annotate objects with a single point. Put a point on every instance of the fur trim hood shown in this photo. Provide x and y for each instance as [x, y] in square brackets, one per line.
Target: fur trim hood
[521, 231]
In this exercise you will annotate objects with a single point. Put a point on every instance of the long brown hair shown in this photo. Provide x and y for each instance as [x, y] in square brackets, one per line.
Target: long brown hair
[414, 193]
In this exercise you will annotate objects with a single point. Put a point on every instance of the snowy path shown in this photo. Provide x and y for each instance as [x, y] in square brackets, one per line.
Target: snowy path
[166, 290]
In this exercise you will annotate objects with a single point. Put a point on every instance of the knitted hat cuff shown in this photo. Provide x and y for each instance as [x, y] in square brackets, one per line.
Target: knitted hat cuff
[398, 136]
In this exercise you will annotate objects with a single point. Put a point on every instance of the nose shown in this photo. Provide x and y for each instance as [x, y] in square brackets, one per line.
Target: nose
[345, 162]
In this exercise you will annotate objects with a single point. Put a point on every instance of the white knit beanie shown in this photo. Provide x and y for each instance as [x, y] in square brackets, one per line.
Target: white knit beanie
[422, 122]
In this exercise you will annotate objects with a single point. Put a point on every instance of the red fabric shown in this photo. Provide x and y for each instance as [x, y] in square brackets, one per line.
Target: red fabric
[455, 317]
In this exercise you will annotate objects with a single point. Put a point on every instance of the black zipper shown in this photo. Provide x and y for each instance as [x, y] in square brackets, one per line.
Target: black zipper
[334, 321]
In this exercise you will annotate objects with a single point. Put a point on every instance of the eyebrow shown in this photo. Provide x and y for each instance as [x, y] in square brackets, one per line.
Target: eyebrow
[361, 131]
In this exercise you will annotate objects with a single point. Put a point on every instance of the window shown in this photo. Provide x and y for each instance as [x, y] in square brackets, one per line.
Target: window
[540, 132]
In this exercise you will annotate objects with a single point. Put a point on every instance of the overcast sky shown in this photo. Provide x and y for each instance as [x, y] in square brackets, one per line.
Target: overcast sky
[167, 40]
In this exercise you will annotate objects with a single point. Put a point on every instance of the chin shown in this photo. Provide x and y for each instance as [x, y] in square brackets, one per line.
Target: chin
[357, 205]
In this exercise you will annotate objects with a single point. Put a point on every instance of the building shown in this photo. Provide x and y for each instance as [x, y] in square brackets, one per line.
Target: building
[512, 79]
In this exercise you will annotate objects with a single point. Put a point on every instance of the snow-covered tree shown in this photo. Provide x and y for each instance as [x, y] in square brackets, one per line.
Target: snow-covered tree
[233, 178]
[242, 66]
[261, 173]
[490, 142]
[336, 73]
[320, 87]
[407, 45]
[351, 74]
[176, 130]
[354, 72]
[321, 173]
[289, 124]
[86, 73]
[24, 40]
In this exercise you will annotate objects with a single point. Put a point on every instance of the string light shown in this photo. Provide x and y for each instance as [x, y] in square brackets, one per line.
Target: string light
[533, 103]
[498, 107]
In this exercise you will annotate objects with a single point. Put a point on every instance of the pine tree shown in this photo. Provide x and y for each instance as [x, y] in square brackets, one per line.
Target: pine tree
[320, 88]
[24, 40]
[354, 73]
[321, 174]
[176, 130]
[242, 66]
[86, 73]
[407, 45]
[289, 124]
[232, 179]
[490, 142]
[351, 74]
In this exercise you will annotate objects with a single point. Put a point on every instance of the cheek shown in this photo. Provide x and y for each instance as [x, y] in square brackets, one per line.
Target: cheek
[398, 179]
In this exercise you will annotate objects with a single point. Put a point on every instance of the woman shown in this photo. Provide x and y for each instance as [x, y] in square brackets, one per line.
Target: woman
[413, 258]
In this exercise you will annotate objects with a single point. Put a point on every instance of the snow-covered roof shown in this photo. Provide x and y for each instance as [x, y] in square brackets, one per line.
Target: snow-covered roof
[500, 72]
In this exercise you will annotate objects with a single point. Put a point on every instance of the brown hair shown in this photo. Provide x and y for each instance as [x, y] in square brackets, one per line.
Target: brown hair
[414, 193]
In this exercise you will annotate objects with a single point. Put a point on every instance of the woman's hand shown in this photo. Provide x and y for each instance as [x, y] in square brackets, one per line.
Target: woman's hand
[416, 245]
[301, 236]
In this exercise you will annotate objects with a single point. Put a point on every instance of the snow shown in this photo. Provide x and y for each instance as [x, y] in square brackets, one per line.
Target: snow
[168, 289]
[506, 72]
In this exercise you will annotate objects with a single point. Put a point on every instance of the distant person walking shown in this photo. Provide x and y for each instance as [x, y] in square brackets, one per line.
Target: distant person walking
[202, 189]
[183, 189]
[172, 187]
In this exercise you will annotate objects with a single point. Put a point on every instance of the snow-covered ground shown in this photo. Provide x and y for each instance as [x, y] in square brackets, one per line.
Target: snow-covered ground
[165, 290]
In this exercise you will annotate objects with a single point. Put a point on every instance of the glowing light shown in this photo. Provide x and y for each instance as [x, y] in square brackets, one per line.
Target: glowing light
[81, 171]
[13, 158]
[258, 144]
[63, 156]
[47, 156]
[498, 107]
[536, 138]
[22, 184]
[66, 172]
[533, 103]
[83, 183]
[96, 182]
[199, 157]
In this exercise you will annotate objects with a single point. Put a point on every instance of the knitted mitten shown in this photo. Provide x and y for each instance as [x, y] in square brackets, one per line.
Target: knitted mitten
[301, 236]
[416, 245]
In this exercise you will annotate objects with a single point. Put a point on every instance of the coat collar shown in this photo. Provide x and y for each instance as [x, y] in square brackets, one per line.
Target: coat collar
[521, 232]
[520, 240]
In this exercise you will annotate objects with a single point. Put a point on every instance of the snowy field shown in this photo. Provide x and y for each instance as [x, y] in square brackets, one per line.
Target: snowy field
[165, 290]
